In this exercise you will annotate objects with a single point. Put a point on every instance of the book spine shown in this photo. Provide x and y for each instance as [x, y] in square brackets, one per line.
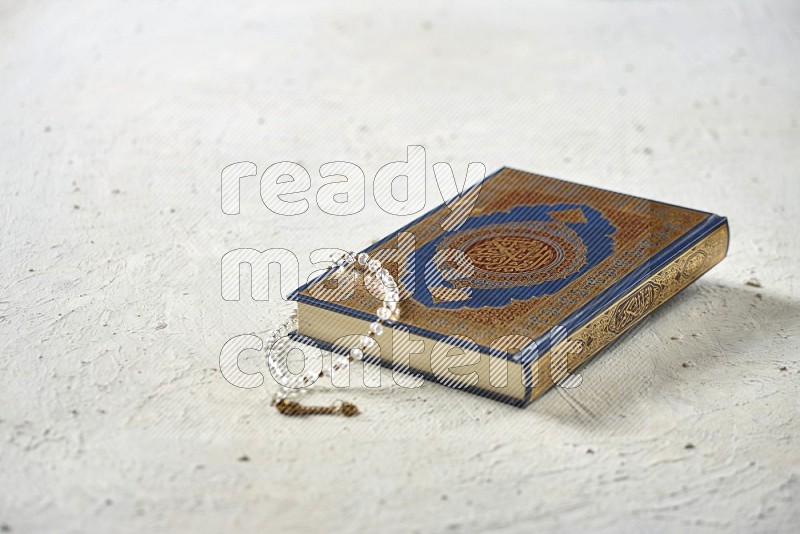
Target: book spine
[627, 311]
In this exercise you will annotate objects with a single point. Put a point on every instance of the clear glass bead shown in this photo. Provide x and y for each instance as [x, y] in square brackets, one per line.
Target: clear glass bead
[363, 258]
[374, 265]
[357, 354]
[384, 313]
[367, 342]
[376, 328]
[390, 285]
[391, 296]
[391, 304]
[383, 275]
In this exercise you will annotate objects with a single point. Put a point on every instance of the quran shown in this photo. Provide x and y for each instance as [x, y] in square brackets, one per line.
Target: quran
[513, 285]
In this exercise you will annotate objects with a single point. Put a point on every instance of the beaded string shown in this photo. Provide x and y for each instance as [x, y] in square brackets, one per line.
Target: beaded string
[380, 281]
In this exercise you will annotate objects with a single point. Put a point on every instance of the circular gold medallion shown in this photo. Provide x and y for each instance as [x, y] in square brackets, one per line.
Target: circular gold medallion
[511, 254]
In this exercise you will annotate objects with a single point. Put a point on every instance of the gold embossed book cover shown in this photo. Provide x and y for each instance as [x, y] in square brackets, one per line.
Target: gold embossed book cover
[507, 289]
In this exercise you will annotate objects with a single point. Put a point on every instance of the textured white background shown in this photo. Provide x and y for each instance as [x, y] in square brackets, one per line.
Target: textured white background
[117, 119]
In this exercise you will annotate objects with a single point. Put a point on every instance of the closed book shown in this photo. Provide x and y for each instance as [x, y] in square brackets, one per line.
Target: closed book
[510, 287]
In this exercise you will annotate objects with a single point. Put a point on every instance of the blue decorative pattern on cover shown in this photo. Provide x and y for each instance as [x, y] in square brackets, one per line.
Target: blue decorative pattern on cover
[528, 251]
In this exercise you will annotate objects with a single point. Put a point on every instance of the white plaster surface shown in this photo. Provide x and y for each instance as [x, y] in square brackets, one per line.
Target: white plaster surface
[117, 118]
